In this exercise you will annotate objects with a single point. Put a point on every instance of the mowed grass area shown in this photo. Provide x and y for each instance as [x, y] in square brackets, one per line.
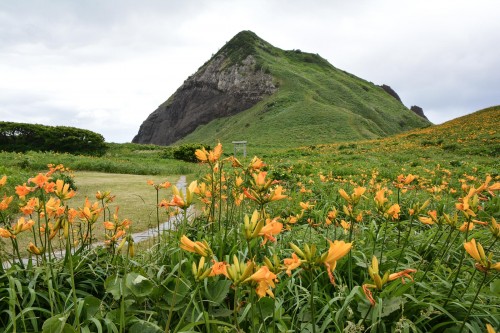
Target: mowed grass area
[134, 197]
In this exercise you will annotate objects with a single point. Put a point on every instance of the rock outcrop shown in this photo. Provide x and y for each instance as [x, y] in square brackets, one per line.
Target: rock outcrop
[216, 90]
[418, 111]
[390, 91]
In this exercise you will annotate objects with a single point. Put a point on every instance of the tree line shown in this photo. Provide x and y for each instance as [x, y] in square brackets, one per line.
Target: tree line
[21, 137]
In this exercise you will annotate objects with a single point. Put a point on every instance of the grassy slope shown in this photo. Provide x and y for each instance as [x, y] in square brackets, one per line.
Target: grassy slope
[467, 144]
[316, 103]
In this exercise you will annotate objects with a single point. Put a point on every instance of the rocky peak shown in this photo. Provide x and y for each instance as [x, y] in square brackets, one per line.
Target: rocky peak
[230, 82]
[418, 111]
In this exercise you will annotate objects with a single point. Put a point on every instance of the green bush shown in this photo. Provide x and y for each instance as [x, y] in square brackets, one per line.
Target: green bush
[186, 152]
[20, 137]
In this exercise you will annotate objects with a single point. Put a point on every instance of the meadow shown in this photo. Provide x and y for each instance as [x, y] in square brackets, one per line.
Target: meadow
[392, 235]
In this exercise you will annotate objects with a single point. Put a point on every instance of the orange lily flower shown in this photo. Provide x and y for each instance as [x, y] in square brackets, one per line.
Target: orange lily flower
[40, 180]
[4, 204]
[195, 247]
[265, 279]
[62, 190]
[338, 249]
[3, 180]
[272, 227]
[23, 225]
[35, 250]
[6, 233]
[22, 190]
[219, 268]
[256, 163]
[380, 198]
[209, 156]
[292, 263]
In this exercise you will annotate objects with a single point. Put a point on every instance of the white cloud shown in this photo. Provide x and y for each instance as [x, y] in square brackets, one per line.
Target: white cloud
[106, 65]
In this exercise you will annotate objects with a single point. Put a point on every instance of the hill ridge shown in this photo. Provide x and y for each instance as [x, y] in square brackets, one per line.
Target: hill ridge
[251, 89]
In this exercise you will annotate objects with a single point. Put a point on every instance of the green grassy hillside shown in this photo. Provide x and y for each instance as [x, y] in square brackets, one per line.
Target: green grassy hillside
[315, 103]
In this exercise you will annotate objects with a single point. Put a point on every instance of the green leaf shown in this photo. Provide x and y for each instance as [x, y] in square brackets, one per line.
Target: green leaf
[57, 324]
[495, 287]
[91, 306]
[217, 292]
[144, 327]
[140, 285]
[391, 305]
[113, 286]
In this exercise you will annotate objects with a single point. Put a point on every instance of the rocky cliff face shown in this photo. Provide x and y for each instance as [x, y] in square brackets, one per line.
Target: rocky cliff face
[218, 89]
[418, 111]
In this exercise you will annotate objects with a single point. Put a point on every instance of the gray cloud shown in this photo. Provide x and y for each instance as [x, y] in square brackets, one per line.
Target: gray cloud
[105, 65]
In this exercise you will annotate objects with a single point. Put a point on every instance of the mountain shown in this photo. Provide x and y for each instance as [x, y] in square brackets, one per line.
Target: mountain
[251, 90]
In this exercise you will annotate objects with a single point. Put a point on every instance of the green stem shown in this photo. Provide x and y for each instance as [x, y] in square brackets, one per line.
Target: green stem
[235, 309]
[313, 310]
[428, 248]
[404, 244]
[176, 289]
[459, 265]
[472, 304]
[16, 248]
[383, 242]
[349, 262]
[73, 286]
[205, 314]
[158, 213]
[186, 310]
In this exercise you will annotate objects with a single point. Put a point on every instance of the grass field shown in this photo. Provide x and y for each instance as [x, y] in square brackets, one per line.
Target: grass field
[393, 235]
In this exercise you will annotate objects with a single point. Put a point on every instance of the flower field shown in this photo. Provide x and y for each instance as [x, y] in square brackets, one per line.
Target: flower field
[297, 254]
[392, 235]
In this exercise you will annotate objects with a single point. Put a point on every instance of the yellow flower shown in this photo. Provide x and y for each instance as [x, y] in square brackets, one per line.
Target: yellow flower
[6, 233]
[62, 190]
[256, 163]
[338, 249]
[394, 211]
[179, 199]
[195, 247]
[265, 279]
[495, 228]
[209, 156]
[35, 250]
[4, 204]
[476, 251]
[219, 268]
[277, 194]
[353, 199]
[306, 206]
[40, 180]
[490, 329]
[379, 281]
[380, 199]
[23, 225]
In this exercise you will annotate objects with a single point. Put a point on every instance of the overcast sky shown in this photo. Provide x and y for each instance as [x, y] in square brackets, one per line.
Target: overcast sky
[105, 65]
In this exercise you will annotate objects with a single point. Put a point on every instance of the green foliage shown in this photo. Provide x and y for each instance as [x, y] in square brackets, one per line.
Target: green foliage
[187, 151]
[20, 137]
[157, 290]
[315, 103]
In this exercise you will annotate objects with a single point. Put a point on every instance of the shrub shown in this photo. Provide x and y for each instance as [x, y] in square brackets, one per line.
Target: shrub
[186, 152]
[20, 137]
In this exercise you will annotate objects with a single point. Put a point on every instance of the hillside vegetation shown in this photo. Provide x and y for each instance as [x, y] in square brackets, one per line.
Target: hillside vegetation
[387, 235]
[315, 102]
